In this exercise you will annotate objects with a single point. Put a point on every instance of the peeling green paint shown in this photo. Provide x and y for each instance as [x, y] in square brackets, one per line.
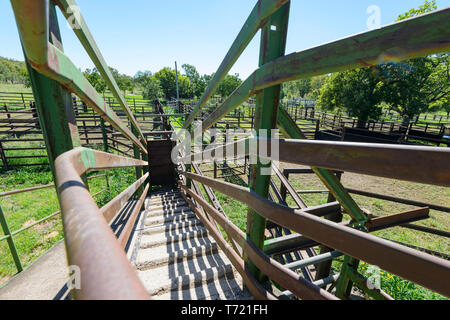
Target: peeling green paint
[87, 157]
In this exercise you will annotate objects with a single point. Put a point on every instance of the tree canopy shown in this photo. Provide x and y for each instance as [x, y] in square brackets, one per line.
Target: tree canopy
[410, 87]
[357, 92]
[228, 85]
[12, 71]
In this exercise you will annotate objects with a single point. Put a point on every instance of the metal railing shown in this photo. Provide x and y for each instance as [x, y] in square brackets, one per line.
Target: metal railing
[9, 235]
[90, 243]
[431, 35]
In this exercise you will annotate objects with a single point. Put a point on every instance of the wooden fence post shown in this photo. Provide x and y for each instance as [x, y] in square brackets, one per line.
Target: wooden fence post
[85, 132]
[3, 157]
[8, 115]
[35, 114]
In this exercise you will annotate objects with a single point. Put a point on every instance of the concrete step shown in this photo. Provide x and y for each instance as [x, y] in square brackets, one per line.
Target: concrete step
[182, 276]
[226, 288]
[170, 205]
[172, 228]
[160, 239]
[176, 259]
[158, 256]
[164, 193]
[175, 218]
[167, 212]
[174, 197]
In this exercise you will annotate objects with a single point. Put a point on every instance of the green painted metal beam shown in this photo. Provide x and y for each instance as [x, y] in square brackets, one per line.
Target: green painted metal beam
[272, 46]
[137, 155]
[104, 135]
[412, 38]
[291, 130]
[10, 240]
[337, 190]
[54, 105]
[87, 40]
[55, 112]
[257, 18]
[53, 63]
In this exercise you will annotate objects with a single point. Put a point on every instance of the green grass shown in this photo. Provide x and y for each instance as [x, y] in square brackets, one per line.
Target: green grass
[393, 285]
[25, 208]
[27, 144]
[9, 87]
[398, 288]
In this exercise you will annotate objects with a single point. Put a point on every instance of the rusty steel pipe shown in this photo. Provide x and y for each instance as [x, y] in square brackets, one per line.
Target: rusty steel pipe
[106, 273]
[13, 192]
[125, 235]
[381, 160]
[257, 290]
[273, 269]
[418, 267]
[110, 210]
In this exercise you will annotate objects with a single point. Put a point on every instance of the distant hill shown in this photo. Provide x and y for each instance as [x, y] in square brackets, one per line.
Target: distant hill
[12, 71]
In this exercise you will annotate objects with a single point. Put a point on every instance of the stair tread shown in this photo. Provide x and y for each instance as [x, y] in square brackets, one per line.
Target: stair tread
[165, 279]
[171, 204]
[172, 228]
[157, 256]
[167, 211]
[154, 240]
[175, 257]
[222, 289]
[175, 218]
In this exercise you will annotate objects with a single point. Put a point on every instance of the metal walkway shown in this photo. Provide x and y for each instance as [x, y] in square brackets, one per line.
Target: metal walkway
[176, 259]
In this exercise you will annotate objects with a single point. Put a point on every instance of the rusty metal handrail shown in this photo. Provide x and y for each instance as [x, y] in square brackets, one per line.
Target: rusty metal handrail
[383, 160]
[269, 266]
[392, 257]
[91, 245]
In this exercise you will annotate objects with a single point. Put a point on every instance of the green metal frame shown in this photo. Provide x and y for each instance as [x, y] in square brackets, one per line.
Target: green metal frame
[9, 238]
[54, 79]
[431, 34]
[273, 45]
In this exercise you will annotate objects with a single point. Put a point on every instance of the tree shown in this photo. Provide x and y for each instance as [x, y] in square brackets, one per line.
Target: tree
[124, 82]
[198, 82]
[228, 85]
[410, 87]
[297, 89]
[316, 85]
[414, 86]
[429, 5]
[357, 92]
[141, 77]
[152, 89]
[442, 105]
[167, 79]
[95, 79]
[12, 71]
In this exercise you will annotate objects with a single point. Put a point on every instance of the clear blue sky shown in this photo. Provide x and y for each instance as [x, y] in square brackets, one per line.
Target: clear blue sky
[150, 34]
